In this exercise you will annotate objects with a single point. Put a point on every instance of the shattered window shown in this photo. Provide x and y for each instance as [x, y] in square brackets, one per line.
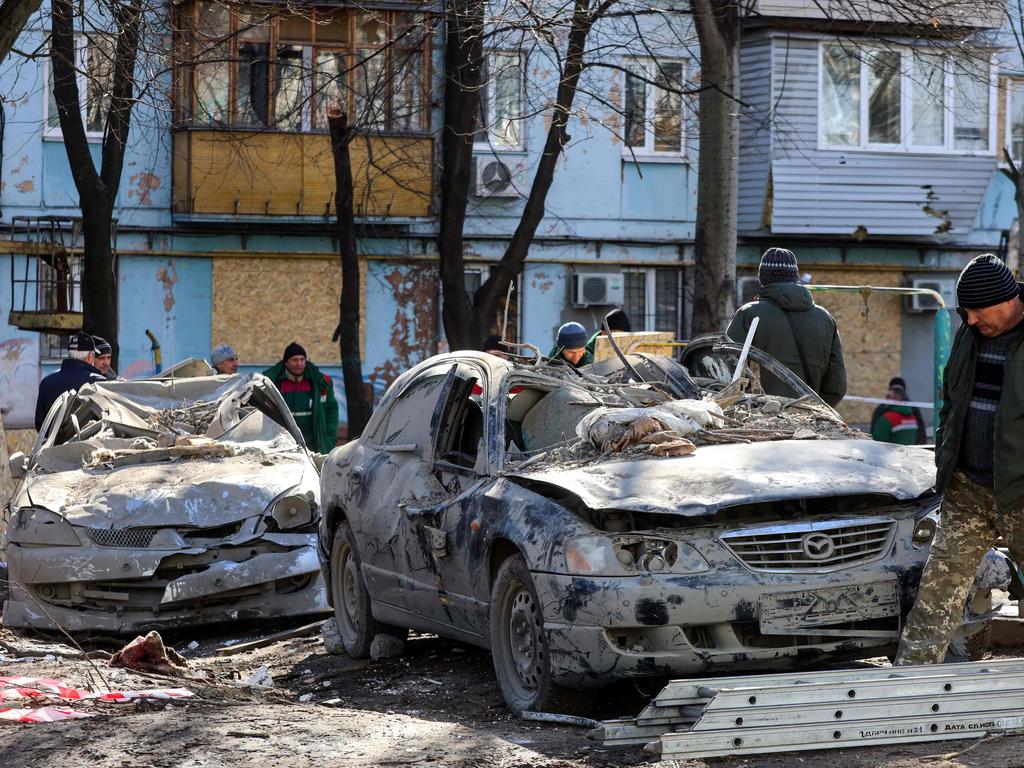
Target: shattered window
[1015, 118]
[94, 65]
[653, 109]
[289, 87]
[212, 72]
[408, 420]
[913, 99]
[501, 100]
[252, 54]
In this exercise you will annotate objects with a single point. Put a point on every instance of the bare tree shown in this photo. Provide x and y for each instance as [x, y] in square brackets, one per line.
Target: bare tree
[97, 188]
[13, 16]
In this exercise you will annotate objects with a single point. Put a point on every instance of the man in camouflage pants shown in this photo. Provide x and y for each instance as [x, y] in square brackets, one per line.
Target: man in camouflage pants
[979, 455]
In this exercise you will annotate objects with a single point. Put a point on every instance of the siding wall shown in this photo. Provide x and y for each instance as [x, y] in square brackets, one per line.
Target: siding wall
[755, 131]
[842, 192]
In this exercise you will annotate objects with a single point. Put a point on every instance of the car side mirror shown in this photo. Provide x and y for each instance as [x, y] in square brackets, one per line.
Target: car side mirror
[18, 464]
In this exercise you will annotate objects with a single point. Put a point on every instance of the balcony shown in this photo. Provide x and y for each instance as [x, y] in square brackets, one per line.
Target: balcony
[261, 173]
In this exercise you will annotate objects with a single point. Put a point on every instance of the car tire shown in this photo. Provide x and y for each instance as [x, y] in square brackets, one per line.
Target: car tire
[519, 647]
[356, 625]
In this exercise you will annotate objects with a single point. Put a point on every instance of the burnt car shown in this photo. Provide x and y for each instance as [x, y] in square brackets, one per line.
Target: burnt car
[164, 502]
[478, 505]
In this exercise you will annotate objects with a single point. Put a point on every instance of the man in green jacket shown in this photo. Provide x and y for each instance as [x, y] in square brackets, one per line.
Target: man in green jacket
[792, 329]
[979, 455]
[310, 397]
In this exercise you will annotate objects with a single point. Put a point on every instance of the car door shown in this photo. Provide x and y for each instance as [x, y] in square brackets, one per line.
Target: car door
[390, 472]
[439, 533]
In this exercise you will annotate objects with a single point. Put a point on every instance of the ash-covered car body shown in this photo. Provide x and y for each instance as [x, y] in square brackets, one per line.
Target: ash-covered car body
[469, 508]
[164, 502]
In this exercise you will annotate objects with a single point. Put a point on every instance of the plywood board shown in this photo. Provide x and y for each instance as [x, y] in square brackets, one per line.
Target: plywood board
[651, 342]
[262, 304]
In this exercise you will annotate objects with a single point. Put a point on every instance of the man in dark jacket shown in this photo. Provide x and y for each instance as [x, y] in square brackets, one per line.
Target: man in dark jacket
[78, 368]
[792, 329]
[979, 455]
[310, 397]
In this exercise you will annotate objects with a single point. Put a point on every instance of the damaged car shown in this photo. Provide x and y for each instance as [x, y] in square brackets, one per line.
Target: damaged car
[171, 501]
[638, 517]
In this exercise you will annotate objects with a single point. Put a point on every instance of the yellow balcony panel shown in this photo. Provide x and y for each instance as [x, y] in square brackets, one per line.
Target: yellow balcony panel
[45, 322]
[290, 174]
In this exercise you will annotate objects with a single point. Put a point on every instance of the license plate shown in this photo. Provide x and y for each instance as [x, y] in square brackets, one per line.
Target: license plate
[835, 605]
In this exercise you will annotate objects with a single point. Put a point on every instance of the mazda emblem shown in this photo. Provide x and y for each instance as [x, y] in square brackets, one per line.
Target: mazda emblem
[818, 546]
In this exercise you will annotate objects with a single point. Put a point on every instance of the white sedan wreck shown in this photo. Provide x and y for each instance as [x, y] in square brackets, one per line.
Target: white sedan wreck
[640, 518]
[164, 502]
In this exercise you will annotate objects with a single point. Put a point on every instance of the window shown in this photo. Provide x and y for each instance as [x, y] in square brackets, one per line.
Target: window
[94, 65]
[59, 289]
[653, 299]
[501, 101]
[1014, 139]
[253, 69]
[653, 118]
[904, 99]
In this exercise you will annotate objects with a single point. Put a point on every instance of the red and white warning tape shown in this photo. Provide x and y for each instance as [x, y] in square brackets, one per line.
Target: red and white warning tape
[36, 688]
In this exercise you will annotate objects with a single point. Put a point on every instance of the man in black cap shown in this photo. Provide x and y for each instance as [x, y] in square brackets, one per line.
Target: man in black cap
[310, 397]
[897, 392]
[104, 355]
[979, 455]
[78, 368]
[792, 329]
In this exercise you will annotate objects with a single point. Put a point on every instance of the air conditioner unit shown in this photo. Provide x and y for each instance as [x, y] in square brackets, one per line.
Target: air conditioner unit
[944, 286]
[747, 289]
[598, 289]
[494, 178]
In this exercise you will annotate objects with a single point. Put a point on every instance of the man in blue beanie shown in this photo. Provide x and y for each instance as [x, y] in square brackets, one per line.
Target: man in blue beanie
[979, 455]
[571, 346]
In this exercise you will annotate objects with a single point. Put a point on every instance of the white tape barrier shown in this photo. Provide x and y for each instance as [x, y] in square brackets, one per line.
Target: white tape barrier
[882, 400]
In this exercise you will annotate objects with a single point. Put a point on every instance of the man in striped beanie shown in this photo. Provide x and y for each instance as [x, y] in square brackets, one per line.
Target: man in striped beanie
[979, 455]
[792, 329]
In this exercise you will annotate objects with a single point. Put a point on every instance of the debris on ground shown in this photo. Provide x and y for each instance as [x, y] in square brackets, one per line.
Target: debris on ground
[331, 637]
[385, 646]
[149, 654]
[303, 631]
[259, 679]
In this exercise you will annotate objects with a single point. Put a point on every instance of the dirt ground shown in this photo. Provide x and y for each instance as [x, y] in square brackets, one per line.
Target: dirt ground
[437, 706]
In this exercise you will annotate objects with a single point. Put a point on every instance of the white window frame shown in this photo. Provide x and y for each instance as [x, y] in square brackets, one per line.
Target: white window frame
[1011, 81]
[651, 295]
[81, 67]
[647, 151]
[489, 141]
[906, 108]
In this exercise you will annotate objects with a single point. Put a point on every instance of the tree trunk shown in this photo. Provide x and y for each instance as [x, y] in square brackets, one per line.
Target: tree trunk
[13, 15]
[714, 292]
[99, 278]
[463, 67]
[357, 404]
[494, 288]
[97, 190]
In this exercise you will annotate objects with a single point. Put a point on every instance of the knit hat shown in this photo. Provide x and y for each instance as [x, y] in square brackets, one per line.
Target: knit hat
[493, 342]
[224, 352]
[571, 336]
[618, 320]
[897, 381]
[778, 265]
[985, 281]
[102, 346]
[292, 350]
[82, 342]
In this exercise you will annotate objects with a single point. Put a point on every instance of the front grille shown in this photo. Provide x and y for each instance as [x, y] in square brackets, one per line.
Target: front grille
[811, 546]
[127, 538]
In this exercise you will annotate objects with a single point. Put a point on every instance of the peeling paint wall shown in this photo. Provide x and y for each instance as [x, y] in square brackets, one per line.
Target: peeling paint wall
[401, 307]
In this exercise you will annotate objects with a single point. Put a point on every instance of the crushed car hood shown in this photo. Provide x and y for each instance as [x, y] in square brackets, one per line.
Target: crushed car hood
[202, 494]
[719, 476]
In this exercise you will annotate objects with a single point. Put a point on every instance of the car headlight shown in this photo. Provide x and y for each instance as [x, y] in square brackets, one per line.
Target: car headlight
[924, 529]
[42, 528]
[292, 511]
[630, 556]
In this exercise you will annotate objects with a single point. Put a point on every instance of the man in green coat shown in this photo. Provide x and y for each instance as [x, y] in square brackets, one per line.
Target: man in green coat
[310, 397]
[979, 455]
[792, 329]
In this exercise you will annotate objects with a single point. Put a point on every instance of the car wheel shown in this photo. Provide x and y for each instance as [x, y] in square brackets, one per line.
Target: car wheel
[519, 646]
[356, 625]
